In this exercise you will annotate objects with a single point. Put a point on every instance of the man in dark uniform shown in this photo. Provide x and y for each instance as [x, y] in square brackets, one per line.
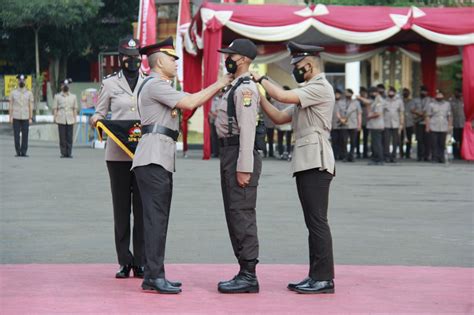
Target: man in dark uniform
[313, 159]
[241, 164]
[154, 160]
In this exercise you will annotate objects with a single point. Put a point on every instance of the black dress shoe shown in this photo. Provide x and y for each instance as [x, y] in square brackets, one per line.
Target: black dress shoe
[138, 271]
[244, 282]
[124, 272]
[315, 287]
[161, 285]
[292, 286]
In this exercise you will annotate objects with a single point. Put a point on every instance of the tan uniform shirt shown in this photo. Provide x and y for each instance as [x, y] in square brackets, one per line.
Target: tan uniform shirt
[393, 110]
[311, 126]
[246, 100]
[334, 120]
[409, 106]
[116, 96]
[459, 118]
[157, 104]
[439, 113]
[349, 109]
[66, 106]
[21, 99]
[283, 106]
[376, 107]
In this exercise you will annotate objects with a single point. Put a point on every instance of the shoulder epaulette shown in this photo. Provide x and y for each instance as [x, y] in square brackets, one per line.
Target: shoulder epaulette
[110, 75]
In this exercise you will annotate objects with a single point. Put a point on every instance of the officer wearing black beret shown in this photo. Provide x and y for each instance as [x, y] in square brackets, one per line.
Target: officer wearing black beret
[313, 159]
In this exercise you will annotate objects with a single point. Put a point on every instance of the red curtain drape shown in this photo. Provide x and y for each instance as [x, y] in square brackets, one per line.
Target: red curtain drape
[192, 73]
[467, 150]
[428, 66]
[212, 42]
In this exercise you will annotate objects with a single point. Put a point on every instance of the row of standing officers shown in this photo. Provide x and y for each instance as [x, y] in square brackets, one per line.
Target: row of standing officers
[391, 121]
[144, 185]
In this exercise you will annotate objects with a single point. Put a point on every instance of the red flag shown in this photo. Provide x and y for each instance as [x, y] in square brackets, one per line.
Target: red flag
[146, 27]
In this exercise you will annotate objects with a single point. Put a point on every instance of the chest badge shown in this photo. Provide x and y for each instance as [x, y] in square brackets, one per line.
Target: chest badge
[246, 98]
[174, 113]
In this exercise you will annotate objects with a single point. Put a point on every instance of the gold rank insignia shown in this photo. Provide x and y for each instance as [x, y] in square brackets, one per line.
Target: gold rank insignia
[174, 113]
[247, 98]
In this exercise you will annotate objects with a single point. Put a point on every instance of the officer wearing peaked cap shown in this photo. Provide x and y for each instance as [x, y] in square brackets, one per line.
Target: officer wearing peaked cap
[118, 94]
[154, 161]
[313, 159]
[240, 164]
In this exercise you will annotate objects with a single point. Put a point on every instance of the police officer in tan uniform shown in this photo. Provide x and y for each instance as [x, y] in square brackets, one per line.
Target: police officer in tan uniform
[459, 118]
[241, 164]
[423, 138]
[21, 114]
[349, 115]
[64, 111]
[439, 121]
[409, 125]
[154, 161]
[118, 94]
[375, 123]
[394, 116]
[313, 159]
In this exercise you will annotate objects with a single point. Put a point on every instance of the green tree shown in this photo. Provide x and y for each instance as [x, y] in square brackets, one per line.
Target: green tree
[35, 15]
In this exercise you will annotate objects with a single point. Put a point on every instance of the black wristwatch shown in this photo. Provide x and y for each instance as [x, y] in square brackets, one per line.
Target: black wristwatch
[261, 79]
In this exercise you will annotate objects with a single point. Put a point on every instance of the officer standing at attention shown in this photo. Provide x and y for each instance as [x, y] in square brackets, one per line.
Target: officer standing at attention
[154, 161]
[118, 94]
[241, 164]
[313, 159]
[457, 106]
[375, 124]
[21, 115]
[64, 111]
[394, 116]
[438, 122]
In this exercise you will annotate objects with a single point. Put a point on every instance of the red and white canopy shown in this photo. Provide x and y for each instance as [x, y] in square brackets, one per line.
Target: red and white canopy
[348, 32]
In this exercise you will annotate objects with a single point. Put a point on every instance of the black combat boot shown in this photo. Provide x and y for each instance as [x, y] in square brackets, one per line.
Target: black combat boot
[244, 282]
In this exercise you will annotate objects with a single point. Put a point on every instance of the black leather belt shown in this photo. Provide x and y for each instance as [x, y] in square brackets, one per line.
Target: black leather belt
[228, 141]
[173, 134]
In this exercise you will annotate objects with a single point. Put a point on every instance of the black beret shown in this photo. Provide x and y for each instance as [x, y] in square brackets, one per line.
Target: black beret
[241, 46]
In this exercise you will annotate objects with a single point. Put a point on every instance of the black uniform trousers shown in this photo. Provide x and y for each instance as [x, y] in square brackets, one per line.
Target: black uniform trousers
[377, 144]
[365, 142]
[407, 135]
[240, 204]
[21, 126]
[287, 135]
[156, 188]
[457, 135]
[336, 143]
[270, 135]
[390, 136]
[438, 142]
[65, 139]
[214, 140]
[313, 191]
[423, 140]
[125, 198]
[348, 136]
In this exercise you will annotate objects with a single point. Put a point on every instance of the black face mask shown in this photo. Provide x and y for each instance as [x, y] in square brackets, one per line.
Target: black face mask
[298, 74]
[391, 95]
[439, 99]
[373, 96]
[406, 95]
[65, 89]
[231, 65]
[132, 64]
[22, 84]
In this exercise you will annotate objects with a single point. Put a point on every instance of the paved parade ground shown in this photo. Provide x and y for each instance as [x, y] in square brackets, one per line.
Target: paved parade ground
[403, 238]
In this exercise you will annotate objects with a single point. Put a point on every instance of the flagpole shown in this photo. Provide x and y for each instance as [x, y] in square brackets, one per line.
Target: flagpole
[140, 18]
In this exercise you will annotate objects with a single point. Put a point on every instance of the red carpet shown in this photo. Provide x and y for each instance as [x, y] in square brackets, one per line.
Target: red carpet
[91, 288]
